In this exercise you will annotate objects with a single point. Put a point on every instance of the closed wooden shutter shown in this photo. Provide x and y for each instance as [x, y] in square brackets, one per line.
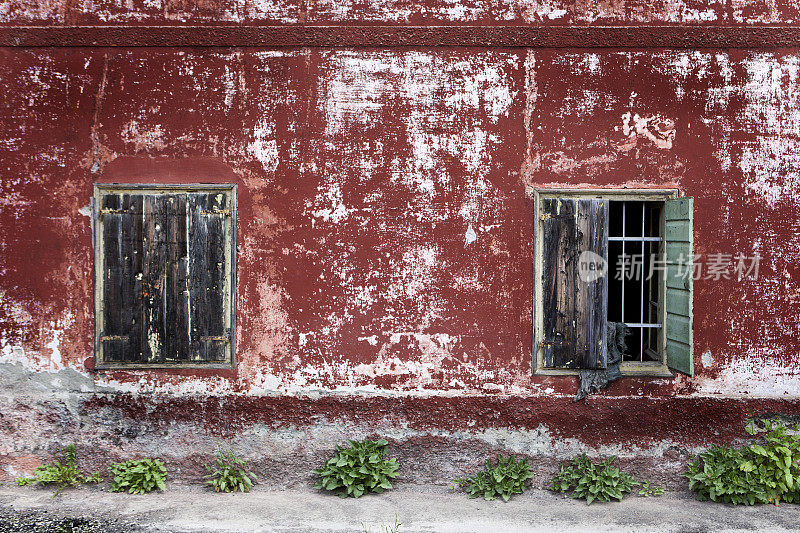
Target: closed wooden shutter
[165, 277]
[574, 307]
[121, 311]
[208, 274]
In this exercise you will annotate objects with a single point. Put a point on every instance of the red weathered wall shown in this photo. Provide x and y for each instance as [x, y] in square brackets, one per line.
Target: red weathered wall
[361, 306]
[453, 12]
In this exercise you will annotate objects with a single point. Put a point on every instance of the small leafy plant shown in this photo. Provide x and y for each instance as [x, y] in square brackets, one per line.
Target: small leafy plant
[766, 471]
[593, 481]
[138, 476]
[504, 480]
[61, 474]
[715, 475]
[358, 469]
[228, 473]
[650, 490]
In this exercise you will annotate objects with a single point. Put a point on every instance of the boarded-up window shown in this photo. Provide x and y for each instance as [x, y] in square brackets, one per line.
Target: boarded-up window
[165, 275]
[614, 261]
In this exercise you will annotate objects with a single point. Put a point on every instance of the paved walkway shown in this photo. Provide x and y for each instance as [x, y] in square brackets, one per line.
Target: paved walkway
[419, 509]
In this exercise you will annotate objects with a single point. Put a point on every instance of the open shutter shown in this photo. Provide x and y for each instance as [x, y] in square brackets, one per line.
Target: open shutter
[679, 244]
[575, 294]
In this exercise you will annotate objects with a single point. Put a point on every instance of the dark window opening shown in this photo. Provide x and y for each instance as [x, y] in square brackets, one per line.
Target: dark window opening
[635, 270]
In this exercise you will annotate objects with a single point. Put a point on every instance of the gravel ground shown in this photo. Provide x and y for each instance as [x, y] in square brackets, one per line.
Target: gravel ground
[37, 521]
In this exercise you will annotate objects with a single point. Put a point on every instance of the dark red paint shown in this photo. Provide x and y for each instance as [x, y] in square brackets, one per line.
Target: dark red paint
[386, 294]
[360, 36]
[600, 421]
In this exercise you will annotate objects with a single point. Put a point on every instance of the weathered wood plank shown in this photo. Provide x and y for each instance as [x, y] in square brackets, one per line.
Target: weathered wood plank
[677, 230]
[154, 330]
[176, 341]
[216, 338]
[679, 355]
[678, 327]
[113, 350]
[131, 303]
[198, 271]
[559, 282]
[675, 251]
[591, 313]
[678, 302]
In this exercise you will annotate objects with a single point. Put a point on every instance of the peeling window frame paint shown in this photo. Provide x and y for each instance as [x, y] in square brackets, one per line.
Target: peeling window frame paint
[101, 189]
[628, 368]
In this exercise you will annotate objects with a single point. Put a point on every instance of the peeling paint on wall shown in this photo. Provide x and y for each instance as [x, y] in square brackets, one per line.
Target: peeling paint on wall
[399, 151]
[655, 128]
[434, 12]
[385, 231]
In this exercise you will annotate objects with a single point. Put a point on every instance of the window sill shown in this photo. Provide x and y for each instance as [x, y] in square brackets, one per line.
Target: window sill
[646, 369]
[165, 366]
[650, 370]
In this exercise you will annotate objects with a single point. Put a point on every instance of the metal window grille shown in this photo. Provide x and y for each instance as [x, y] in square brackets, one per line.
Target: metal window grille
[642, 244]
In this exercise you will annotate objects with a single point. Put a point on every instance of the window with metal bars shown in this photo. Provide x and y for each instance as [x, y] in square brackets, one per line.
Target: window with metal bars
[609, 257]
[634, 298]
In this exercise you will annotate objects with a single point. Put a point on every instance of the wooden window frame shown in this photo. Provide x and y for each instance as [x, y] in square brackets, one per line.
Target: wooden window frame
[627, 368]
[231, 251]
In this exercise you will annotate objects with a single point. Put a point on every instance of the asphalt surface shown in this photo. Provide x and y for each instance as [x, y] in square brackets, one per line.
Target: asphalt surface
[47, 521]
[420, 509]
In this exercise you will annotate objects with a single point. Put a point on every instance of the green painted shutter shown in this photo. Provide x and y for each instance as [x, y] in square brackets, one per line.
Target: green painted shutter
[575, 238]
[679, 248]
